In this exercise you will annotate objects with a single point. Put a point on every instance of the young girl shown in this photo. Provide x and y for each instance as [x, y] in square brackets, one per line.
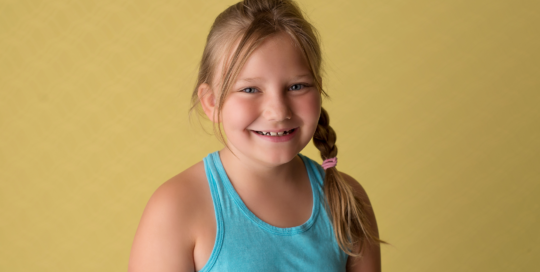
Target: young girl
[258, 204]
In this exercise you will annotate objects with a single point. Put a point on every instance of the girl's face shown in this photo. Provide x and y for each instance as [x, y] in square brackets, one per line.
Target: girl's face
[274, 93]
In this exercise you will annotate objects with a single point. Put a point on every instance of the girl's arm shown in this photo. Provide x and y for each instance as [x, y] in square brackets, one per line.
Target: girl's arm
[163, 241]
[371, 256]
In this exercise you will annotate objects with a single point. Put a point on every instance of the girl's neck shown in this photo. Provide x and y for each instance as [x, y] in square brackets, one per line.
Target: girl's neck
[245, 172]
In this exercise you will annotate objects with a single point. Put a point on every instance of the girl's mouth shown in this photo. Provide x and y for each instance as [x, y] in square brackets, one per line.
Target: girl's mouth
[278, 136]
[275, 134]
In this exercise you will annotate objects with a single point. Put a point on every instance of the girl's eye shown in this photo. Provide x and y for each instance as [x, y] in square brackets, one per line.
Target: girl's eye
[296, 87]
[249, 90]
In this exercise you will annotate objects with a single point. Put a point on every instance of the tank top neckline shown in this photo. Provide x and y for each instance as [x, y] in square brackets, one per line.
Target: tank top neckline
[256, 220]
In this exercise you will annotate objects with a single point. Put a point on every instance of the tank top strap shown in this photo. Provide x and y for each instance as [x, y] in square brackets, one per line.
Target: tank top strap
[316, 169]
[216, 190]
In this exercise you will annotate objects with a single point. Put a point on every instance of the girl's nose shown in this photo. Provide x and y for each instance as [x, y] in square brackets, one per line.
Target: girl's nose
[276, 108]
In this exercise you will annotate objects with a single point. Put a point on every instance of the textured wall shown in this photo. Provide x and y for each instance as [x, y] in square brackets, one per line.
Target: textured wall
[435, 103]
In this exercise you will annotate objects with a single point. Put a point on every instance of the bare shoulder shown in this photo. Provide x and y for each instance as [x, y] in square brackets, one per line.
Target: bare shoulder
[180, 193]
[357, 187]
[370, 259]
[165, 236]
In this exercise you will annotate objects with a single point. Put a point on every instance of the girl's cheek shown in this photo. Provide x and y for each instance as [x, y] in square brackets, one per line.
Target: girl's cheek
[310, 106]
[238, 112]
[239, 104]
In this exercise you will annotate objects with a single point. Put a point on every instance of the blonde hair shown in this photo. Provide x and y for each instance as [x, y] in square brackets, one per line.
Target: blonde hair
[246, 24]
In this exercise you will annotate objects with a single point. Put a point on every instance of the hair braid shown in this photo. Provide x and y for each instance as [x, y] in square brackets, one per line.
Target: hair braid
[347, 211]
[325, 137]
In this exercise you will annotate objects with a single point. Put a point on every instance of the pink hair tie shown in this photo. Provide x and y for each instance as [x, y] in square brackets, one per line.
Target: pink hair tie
[329, 163]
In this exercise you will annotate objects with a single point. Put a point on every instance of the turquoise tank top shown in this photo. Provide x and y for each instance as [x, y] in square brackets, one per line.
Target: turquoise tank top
[246, 243]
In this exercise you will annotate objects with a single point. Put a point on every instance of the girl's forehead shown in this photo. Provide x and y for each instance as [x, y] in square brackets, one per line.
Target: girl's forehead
[266, 53]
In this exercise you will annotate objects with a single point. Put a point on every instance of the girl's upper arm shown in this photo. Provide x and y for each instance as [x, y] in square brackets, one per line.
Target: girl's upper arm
[371, 255]
[163, 241]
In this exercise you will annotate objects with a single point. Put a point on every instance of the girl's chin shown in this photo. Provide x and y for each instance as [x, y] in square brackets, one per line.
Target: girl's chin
[276, 157]
[267, 156]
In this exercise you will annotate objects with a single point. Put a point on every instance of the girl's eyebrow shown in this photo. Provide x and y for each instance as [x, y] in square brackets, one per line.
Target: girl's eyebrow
[303, 76]
[255, 79]
[251, 79]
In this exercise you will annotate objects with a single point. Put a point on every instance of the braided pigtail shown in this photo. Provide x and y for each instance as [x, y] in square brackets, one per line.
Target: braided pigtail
[347, 211]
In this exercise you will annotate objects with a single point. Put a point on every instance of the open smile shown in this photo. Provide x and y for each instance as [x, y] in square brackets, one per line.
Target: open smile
[275, 133]
[276, 136]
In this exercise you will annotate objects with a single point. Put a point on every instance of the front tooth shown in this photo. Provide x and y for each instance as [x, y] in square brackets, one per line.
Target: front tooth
[280, 133]
[273, 133]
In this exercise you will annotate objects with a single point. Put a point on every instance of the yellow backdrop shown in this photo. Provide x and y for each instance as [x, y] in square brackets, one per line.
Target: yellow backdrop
[435, 104]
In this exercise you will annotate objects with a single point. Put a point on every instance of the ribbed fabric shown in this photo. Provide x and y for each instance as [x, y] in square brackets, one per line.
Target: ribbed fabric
[246, 243]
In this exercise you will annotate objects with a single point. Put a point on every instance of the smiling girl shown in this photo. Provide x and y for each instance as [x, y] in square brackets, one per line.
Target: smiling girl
[258, 204]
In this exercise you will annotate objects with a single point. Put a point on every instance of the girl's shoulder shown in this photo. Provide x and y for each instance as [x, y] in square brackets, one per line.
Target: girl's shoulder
[370, 259]
[358, 190]
[184, 196]
[172, 219]
[187, 187]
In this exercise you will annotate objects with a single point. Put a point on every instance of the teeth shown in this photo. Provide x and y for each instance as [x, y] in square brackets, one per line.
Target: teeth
[274, 134]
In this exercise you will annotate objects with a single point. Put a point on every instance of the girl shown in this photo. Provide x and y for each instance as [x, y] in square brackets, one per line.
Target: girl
[258, 204]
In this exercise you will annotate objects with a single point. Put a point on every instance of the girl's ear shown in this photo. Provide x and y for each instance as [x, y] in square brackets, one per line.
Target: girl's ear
[208, 100]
